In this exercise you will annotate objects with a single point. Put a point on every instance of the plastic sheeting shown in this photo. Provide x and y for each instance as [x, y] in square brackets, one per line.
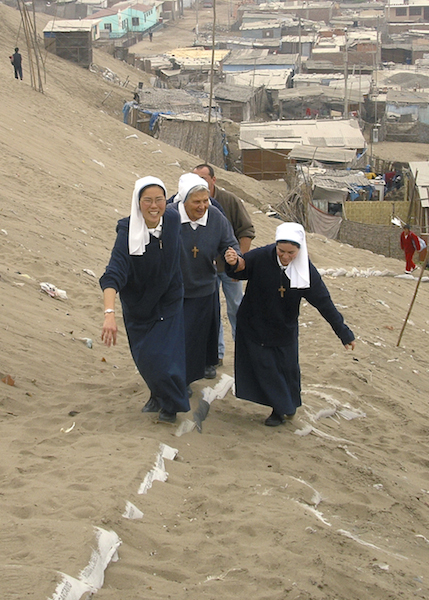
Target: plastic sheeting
[323, 223]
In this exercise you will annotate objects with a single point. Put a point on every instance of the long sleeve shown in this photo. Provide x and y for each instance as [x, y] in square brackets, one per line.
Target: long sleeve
[318, 296]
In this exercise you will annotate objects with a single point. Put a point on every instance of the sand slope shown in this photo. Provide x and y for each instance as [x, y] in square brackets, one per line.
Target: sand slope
[340, 513]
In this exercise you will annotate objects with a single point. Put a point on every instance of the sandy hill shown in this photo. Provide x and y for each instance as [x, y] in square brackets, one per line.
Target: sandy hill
[340, 513]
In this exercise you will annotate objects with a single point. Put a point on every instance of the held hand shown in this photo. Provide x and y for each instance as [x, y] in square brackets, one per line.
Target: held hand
[110, 330]
[350, 346]
[231, 256]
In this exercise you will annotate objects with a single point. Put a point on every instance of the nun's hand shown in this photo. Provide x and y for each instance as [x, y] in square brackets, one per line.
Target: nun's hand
[110, 330]
[231, 256]
[350, 346]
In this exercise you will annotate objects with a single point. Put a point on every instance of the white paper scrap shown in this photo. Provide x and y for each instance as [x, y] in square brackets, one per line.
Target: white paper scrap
[131, 511]
[185, 426]
[70, 589]
[209, 394]
[91, 579]
[156, 474]
[168, 452]
[368, 544]
[108, 544]
[225, 384]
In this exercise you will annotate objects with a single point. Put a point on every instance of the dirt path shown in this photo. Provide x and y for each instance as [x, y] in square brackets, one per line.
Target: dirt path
[181, 33]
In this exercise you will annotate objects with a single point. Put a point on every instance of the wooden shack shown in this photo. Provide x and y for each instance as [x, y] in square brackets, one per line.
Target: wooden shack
[71, 40]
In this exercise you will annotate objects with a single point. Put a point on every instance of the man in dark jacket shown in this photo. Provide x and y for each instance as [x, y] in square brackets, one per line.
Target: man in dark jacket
[236, 213]
[16, 60]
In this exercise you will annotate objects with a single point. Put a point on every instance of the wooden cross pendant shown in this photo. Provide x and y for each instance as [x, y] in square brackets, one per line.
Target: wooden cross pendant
[195, 250]
[282, 291]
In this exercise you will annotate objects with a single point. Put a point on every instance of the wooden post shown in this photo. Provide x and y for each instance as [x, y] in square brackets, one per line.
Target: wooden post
[414, 297]
[207, 149]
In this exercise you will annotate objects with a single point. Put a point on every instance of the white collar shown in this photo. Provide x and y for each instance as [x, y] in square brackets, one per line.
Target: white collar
[156, 231]
[194, 224]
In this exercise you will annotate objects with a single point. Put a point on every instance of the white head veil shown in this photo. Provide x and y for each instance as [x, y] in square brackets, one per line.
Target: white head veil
[298, 269]
[138, 236]
[187, 182]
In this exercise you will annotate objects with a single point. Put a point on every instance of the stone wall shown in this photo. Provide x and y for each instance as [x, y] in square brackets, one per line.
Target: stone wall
[380, 239]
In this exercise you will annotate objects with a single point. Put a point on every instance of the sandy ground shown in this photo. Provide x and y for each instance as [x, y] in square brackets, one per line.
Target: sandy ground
[338, 514]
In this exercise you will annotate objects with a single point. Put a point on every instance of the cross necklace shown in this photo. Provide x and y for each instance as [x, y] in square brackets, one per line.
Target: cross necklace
[282, 289]
[195, 249]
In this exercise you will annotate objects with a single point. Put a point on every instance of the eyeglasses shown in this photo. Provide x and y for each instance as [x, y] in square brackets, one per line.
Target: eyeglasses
[149, 201]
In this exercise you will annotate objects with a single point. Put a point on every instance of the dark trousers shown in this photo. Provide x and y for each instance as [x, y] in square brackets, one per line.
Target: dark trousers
[18, 72]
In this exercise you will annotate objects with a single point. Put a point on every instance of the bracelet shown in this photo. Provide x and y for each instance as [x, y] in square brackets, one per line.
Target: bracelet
[109, 310]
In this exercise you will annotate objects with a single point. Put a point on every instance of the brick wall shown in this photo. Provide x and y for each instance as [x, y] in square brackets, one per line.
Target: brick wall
[380, 239]
[368, 226]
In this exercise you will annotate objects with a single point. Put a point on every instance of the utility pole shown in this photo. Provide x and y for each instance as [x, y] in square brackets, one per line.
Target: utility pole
[346, 74]
[299, 46]
[206, 155]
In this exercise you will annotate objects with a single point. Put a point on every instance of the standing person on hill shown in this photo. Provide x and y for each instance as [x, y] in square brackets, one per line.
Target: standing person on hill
[206, 233]
[244, 231]
[409, 244]
[144, 269]
[16, 61]
[266, 345]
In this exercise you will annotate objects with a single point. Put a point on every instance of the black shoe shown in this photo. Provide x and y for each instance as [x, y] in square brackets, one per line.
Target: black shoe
[274, 420]
[166, 417]
[190, 392]
[152, 405]
[210, 373]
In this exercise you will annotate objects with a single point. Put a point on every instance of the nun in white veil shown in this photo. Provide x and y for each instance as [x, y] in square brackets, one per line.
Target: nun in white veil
[144, 268]
[206, 233]
[266, 345]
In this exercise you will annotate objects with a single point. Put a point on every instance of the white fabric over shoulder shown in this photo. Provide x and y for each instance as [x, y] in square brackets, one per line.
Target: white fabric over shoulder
[298, 269]
[138, 236]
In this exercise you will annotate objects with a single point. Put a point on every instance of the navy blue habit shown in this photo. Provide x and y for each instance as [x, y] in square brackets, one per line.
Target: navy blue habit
[150, 287]
[266, 344]
[199, 249]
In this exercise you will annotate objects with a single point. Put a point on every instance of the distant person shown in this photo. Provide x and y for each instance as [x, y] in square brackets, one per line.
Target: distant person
[278, 277]
[144, 269]
[369, 172]
[410, 243]
[244, 231]
[389, 178]
[150, 36]
[16, 60]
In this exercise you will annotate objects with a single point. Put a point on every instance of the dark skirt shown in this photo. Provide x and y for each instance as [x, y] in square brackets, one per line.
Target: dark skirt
[202, 318]
[268, 375]
[158, 349]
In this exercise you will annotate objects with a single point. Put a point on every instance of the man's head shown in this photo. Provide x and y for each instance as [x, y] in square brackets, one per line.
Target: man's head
[206, 172]
[16, 49]
[406, 229]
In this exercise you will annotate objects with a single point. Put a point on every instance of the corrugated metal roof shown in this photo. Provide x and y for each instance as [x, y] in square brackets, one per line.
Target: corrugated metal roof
[69, 25]
[260, 25]
[340, 180]
[316, 91]
[239, 58]
[420, 171]
[236, 93]
[322, 154]
[276, 135]
[192, 58]
[399, 97]
[271, 79]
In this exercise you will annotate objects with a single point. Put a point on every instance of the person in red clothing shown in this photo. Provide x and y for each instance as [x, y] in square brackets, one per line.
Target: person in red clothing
[409, 244]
